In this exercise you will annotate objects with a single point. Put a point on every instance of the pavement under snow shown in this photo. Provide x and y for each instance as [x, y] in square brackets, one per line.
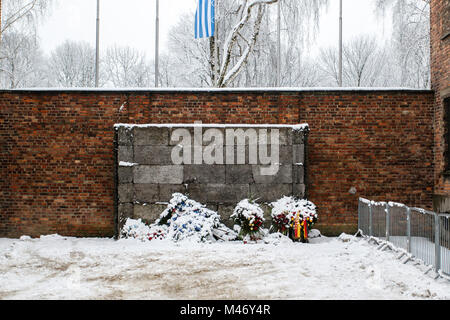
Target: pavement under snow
[55, 267]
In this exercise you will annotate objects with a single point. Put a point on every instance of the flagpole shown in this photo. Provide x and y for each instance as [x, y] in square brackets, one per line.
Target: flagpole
[278, 44]
[157, 46]
[340, 43]
[97, 46]
[216, 40]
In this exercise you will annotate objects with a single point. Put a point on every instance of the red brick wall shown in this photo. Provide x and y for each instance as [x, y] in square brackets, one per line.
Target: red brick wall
[440, 78]
[56, 149]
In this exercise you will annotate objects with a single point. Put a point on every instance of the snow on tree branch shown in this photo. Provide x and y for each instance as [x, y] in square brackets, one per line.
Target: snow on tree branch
[226, 76]
[22, 11]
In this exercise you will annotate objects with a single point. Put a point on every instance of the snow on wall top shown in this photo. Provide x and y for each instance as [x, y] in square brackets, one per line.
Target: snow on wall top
[295, 127]
[260, 89]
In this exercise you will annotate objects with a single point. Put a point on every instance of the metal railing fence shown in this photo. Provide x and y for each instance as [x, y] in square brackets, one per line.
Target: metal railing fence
[423, 234]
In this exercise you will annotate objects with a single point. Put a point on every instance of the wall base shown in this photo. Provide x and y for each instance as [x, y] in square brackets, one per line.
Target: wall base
[334, 230]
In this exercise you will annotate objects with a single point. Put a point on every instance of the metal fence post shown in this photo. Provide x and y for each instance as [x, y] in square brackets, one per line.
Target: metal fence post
[370, 220]
[408, 229]
[387, 221]
[437, 242]
[359, 214]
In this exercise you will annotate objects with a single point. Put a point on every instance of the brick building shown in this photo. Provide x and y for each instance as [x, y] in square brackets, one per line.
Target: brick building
[57, 146]
[440, 79]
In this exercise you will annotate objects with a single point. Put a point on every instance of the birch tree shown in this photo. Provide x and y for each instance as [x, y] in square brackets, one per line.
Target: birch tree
[22, 13]
[19, 51]
[22, 58]
[250, 15]
[410, 40]
[243, 51]
[299, 25]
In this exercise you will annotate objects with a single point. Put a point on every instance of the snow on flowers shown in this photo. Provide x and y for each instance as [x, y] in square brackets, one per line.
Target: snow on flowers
[186, 219]
[139, 230]
[183, 219]
[249, 217]
[293, 217]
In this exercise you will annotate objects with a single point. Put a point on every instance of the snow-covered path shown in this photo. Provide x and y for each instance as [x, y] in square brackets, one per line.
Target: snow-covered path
[55, 267]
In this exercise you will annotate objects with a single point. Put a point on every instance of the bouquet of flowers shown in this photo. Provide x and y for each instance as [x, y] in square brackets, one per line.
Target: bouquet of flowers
[293, 217]
[249, 217]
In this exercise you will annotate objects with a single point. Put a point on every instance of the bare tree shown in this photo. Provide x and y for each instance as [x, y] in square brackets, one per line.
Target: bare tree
[300, 18]
[168, 71]
[364, 63]
[329, 64]
[19, 48]
[21, 61]
[22, 12]
[189, 57]
[217, 63]
[307, 74]
[410, 40]
[127, 67]
[243, 50]
[72, 64]
[227, 71]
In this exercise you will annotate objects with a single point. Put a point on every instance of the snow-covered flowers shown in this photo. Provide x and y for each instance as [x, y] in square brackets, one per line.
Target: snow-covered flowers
[249, 217]
[287, 210]
[139, 230]
[183, 219]
[187, 218]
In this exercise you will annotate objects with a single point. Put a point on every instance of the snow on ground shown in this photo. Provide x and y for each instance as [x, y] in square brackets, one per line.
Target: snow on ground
[55, 267]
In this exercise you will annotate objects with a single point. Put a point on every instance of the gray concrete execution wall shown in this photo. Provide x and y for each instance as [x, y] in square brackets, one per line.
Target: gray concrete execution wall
[217, 165]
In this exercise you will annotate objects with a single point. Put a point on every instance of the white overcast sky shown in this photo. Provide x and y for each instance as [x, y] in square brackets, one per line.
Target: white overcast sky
[132, 22]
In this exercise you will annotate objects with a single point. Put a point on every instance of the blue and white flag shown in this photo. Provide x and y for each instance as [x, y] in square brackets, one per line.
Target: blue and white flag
[204, 19]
